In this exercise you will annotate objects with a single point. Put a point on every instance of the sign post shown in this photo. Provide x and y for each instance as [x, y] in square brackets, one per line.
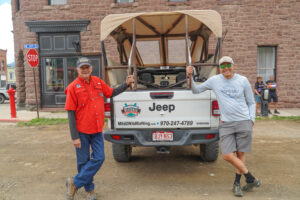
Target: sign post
[33, 60]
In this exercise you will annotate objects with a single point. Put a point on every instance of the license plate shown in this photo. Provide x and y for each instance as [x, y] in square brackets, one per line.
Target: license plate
[162, 136]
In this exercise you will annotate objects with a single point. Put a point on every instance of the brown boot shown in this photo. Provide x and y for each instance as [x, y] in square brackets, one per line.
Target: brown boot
[91, 195]
[71, 188]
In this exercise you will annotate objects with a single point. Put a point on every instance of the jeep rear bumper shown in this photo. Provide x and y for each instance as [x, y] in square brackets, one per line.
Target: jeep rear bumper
[144, 137]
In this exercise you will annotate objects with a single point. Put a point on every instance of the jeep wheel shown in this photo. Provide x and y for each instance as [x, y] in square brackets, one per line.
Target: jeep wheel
[2, 98]
[121, 152]
[209, 152]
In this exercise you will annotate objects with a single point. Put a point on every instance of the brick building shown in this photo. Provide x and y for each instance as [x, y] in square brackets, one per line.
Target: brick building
[261, 36]
[3, 68]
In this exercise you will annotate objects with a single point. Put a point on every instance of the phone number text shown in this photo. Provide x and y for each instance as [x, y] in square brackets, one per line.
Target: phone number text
[176, 123]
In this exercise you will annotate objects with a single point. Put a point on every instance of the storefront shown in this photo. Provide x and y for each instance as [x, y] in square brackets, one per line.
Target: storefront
[59, 49]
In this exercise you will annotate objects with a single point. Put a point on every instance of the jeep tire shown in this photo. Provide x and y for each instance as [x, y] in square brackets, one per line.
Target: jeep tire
[209, 152]
[2, 98]
[121, 152]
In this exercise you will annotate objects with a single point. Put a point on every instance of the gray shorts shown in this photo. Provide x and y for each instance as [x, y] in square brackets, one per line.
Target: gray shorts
[236, 136]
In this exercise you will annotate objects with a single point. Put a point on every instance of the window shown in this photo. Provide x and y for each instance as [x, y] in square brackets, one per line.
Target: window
[178, 0]
[54, 75]
[72, 71]
[11, 75]
[59, 72]
[124, 1]
[2, 65]
[266, 62]
[145, 47]
[176, 51]
[59, 43]
[57, 2]
[17, 5]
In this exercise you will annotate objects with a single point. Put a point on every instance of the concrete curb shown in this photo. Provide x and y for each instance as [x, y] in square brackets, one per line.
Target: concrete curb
[13, 120]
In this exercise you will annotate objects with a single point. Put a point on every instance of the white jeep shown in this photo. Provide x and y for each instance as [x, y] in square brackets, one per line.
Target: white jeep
[160, 110]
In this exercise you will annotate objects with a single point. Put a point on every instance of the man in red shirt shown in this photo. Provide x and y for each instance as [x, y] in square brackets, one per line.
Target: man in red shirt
[85, 106]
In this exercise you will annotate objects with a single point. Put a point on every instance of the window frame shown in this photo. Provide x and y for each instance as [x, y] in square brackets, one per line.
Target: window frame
[265, 68]
[116, 1]
[52, 50]
[3, 66]
[177, 1]
[50, 4]
[17, 5]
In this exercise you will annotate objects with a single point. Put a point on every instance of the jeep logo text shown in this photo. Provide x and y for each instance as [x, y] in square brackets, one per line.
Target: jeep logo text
[164, 107]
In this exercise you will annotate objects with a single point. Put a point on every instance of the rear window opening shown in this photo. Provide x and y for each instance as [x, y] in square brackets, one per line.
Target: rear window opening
[171, 77]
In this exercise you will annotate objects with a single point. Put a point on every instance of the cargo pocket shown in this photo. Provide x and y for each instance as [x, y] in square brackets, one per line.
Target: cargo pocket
[244, 126]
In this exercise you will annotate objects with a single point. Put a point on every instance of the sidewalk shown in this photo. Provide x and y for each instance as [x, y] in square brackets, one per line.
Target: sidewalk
[25, 115]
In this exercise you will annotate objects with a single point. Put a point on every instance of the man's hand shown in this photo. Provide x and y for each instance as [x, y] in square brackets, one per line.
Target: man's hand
[129, 80]
[77, 143]
[189, 70]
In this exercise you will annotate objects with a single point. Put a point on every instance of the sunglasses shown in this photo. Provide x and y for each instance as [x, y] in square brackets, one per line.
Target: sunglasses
[224, 66]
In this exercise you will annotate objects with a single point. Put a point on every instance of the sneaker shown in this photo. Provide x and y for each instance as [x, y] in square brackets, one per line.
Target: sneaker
[91, 195]
[237, 191]
[250, 186]
[71, 188]
[276, 112]
[269, 111]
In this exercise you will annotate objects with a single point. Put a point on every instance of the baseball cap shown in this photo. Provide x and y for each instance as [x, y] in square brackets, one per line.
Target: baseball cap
[226, 59]
[83, 61]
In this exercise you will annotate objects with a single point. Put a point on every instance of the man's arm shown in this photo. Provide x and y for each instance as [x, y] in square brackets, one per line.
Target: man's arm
[72, 125]
[121, 88]
[70, 106]
[201, 88]
[111, 92]
[198, 88]
[250, 100]
[73, 129]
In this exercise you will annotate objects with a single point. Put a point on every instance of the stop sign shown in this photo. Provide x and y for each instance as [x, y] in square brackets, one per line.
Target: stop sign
[33, 58]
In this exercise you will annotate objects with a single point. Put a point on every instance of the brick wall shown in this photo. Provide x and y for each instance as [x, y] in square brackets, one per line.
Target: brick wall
[249, 23]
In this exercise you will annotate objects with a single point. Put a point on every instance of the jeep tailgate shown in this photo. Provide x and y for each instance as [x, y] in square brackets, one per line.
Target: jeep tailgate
[162, 109]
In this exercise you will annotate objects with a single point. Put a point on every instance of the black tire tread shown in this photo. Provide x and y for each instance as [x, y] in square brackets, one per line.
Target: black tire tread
[2, 98]
[121, 152]
[209, 152]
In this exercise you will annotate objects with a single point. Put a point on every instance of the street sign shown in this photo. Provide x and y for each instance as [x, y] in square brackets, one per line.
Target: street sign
[33, 58]
[31, 46]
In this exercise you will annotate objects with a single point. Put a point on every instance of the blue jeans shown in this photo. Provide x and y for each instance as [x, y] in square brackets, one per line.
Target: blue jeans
[87, 165]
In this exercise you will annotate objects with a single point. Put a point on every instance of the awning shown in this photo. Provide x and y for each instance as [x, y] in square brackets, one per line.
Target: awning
[154, 23]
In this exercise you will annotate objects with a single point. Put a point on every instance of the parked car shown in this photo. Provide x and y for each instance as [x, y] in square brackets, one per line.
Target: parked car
[160, 110]
[3, 95]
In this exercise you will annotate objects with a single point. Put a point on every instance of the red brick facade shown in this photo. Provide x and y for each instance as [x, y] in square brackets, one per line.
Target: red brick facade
[249, 24]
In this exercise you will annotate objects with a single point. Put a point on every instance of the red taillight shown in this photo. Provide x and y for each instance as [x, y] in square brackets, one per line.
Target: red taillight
[116, 137]
[107, 107]
[107, 110]
[209, 136]
[215, 108]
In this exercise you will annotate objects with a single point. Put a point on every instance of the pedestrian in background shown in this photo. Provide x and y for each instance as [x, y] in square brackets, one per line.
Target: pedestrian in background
[272, 86]
[237, 107]
[258, 88]
[85, 106]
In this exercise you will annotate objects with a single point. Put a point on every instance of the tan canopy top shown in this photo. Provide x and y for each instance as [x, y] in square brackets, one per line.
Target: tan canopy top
[155, 23]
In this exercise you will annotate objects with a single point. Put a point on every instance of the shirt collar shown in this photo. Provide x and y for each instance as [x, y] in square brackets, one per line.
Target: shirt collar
[83, 80]
[234, 77]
